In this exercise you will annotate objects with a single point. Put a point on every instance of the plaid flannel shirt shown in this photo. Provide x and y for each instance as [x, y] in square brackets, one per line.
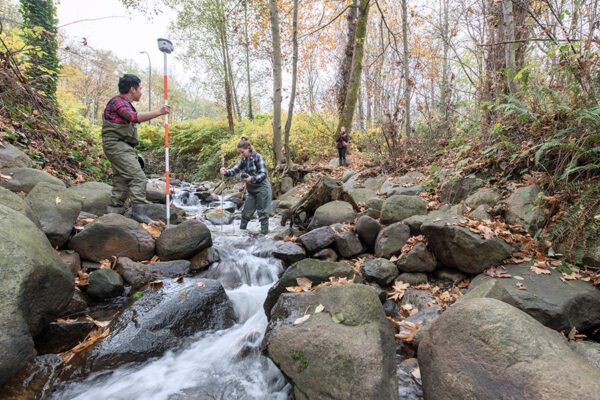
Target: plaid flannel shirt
[119, 110]
[254, 165]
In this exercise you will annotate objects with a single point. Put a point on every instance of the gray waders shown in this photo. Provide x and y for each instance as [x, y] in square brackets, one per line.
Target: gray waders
[258, 199]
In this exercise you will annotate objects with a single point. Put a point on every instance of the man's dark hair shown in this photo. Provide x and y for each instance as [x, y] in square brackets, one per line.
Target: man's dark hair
[128, 81]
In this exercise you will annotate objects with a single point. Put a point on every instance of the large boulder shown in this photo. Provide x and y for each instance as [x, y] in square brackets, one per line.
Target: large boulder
[357, 181]
[183, 241]
[286, 184]
[290, 198]
[456, 189]
[204, 259]
[367, 229]
[457, 247]
[391, 239]
[96, 196]
[417, 259]
[590, 351]
[11, 157]
[158, 321]
[380, 271]
[35, 285]
[556, 304]
[156, 192]
[361, 195]
[317, 239]
[17, 203]
[289, 253]
[104, 284]
[113, 235]
[523, 208]
[348, 244]
[134, 273]
[316, 270]
[158, 212]
[334, 212]
[399, 207]
[487, 349]
[25, 179]
[344, 352]
[57, 210]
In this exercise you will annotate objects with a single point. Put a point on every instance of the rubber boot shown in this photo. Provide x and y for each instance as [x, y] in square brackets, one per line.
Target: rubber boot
[138, 214]
[264, 227]
[115, 210]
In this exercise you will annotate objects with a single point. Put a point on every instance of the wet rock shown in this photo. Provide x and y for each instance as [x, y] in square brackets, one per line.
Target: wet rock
[316, 270]
[289, 253]
[412, 278]
[319, 355]
[391, 239]
[523, 208]
[235, 198]
[28, 303]
[327, 254]
[25, 179]
[204, 259]
[57, 210]
[317, 239]
[334, 212]
[95, 195]
[380, 271]
[168, 269]
[183, 241]
[158, 212]
[219, 217]
[72, 260]
[457, 247]
[12, 157]
[418, 259]
[368, 228]
[15, 202]
[456, 190]
[36, 381]
[554, 303]
[409, 386]
[134, 273]
[487, 341]
[348, 244]
[113, 235]
[104, 284]
[78, 305]
[397, 208]
[62, 336]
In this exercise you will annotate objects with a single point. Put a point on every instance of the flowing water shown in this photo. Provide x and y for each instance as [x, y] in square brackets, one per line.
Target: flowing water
[226, 364]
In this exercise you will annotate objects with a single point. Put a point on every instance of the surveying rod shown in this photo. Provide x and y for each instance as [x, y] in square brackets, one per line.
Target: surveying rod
[166, 47]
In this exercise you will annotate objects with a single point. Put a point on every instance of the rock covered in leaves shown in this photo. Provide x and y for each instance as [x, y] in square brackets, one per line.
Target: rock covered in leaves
[457, 247]
[320, 354]
[57, 210]
[14, 201]
[399, 207]
[348, 244]
[556, 304]
[35, 287]
[380, 271]
[104, 284]
[95, 195]
[183, 241]
[158, 321]
[289, 253]
[334, 212]
[483, 348]
[317, 239]
[316, 271]
[417, 259]
[113, 235]
[25, 179]
[391, 239]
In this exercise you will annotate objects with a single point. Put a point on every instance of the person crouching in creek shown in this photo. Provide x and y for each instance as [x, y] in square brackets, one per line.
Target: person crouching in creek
[253, 170]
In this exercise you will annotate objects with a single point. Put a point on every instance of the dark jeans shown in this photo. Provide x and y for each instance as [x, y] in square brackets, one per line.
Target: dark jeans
[342, 154]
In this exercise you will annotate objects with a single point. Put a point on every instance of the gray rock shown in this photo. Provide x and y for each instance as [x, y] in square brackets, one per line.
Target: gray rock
[77, 306]
[457, 247]
[134, 273]
[524, 208]
[456, 190]
[15, 202]
[416, 221]
[421, 299]
[72, 260]
[348, 244]
[410, 179]
[158, 321]
[334, 212]
[556, 304]
[35, 287]
[57, 210]
[286, 184]
[183, 241]
[371, 212]
[361, 195]
[59, 337]
[95, 195]
[481, 213]
[309, 352]
[235, 198]
[205, 259]
[409, 388]
[418, 259]
[449, 274]
[367, 229]
[412, 278]
[391, 309]
[480, 348]
[347, 174]
[290, 198]
[316, 270]
[104, 284]
[327, 254]
[219, 217]
[375, 203]
[423, 319]
[391, 239]
[484, 196]
[380, 271]
[36, 381]
[168, 269]
[158, 212]
[317, 239]
[12, 157]
[398, 208]
[590, 351]
[113, 235]
[591, 256]
[25, 179]
[289, 253]
[406, 191]
[156, 192]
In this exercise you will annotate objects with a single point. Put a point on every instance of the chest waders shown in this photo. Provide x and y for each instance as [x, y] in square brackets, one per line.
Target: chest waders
[258, 199]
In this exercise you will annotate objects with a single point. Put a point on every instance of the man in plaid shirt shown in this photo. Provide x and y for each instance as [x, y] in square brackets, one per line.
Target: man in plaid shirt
[119, 138]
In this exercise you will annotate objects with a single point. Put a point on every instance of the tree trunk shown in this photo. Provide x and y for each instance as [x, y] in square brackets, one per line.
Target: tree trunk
[407, 79]
[232, 81]
[276, 80]
[354, 82]
[227, 84]
[508, 19]
[445, 85]
[250, 113]
[288, 122]
[346, 62]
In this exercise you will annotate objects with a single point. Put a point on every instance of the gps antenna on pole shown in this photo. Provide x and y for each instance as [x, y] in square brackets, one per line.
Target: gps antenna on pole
[166, 47]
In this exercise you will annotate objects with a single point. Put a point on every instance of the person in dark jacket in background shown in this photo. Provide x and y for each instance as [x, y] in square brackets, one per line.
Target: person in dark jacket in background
[253, 170]
[342, 145]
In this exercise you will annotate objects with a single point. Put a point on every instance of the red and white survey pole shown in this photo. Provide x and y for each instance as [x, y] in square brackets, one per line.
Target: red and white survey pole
[166, 47]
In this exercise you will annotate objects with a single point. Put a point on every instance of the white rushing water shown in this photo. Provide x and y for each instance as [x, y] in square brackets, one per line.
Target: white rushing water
[226, 364]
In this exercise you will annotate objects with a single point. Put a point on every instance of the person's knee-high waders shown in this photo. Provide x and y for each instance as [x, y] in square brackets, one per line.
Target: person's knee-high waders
[258, 198]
